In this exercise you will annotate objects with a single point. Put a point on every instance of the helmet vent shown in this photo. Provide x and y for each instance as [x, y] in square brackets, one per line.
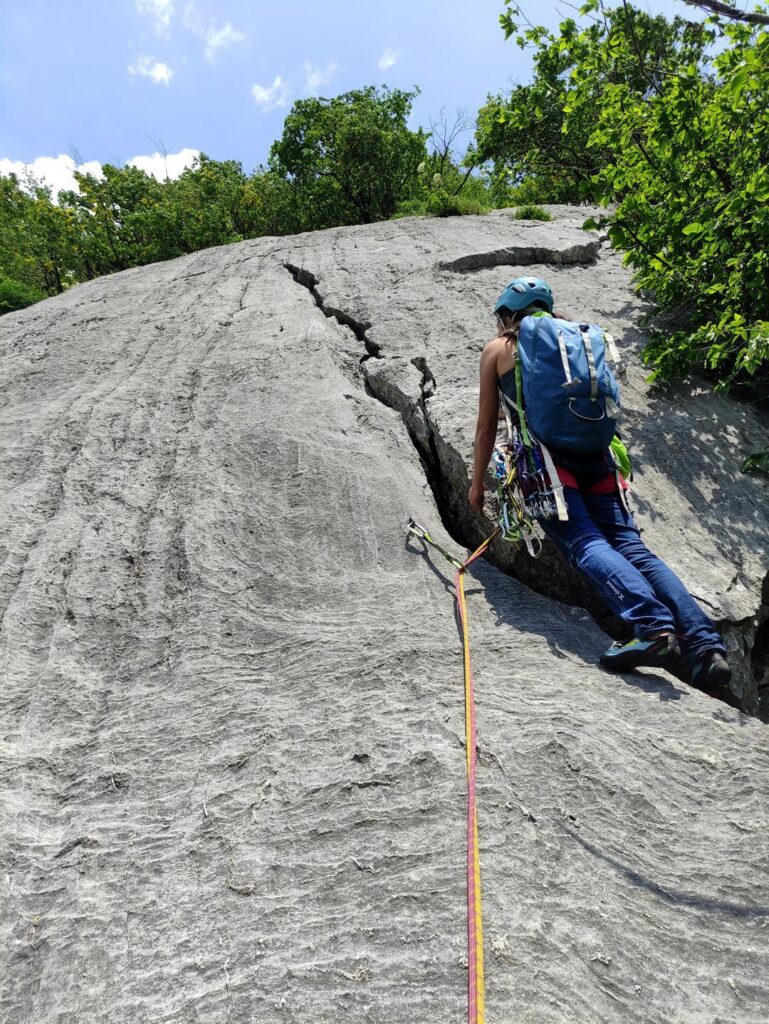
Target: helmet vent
[523, 292]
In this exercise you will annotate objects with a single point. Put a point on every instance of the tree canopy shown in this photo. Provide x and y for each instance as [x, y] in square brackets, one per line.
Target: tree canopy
[347, 160]
[674, 125]
[351, 159]
[537, 141]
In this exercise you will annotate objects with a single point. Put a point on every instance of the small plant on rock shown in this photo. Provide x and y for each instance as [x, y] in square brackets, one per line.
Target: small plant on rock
[531, 213]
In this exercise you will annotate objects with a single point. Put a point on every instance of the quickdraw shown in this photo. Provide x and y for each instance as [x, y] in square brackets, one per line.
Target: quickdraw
[475, 984]
[515, 522]
[528, 487]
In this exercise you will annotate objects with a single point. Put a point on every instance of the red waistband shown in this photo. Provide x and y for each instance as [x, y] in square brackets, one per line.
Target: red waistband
[607, 485]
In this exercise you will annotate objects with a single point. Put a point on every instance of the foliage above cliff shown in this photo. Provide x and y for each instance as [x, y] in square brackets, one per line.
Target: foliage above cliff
[351, 159]
[523, 135]
[347, 160]
[674, 127]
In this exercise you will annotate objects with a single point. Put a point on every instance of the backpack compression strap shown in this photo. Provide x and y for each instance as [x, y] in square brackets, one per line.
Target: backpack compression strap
[585, 332]
[570, 381]
[613, 352]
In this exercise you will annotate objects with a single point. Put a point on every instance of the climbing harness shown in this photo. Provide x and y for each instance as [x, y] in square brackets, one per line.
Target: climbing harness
[475, 988]
[528, 487]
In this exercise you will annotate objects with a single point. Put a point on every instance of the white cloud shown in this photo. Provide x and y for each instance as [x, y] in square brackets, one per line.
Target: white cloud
[315, 76]
[388, 58]
[56, 171]
[192, 20]
[59, 171]
[215, 38]
[171, 165]
[160, 11]
[148, 67]
[270, 97]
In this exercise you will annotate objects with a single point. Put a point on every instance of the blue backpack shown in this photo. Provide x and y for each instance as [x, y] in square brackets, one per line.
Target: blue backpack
[571, 396]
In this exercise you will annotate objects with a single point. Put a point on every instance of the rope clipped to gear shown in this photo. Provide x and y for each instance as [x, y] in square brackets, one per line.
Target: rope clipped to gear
[475, 987]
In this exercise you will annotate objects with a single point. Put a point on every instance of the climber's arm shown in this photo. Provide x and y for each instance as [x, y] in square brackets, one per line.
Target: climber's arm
[486, 427]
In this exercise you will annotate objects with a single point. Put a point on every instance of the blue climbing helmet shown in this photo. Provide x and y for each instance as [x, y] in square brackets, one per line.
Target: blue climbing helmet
[523, 292]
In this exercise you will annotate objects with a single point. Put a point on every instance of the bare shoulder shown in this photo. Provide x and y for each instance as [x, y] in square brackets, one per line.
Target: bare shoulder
[502, 353]
[492, 349]
[490, 356]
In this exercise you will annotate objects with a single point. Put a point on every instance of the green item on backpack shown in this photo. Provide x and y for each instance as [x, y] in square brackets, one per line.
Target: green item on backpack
[621, 457]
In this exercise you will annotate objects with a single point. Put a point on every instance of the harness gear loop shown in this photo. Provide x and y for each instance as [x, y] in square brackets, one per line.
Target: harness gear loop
[476, 1011]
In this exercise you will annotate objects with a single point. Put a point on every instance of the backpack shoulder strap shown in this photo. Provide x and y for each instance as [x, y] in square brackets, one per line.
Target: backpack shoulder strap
[506, 404]
[611, 347]
[555, 483]
[519, 404]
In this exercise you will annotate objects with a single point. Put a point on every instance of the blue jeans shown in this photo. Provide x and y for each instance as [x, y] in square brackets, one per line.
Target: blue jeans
[602, 540]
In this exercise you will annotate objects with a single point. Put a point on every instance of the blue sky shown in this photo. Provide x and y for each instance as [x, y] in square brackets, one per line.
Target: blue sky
[109, 80]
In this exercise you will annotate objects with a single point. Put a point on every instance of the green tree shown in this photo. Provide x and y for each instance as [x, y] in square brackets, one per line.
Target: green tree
[535, 139]
[448, 184]
[16, 294]
[35, 243]
[351, 159]
[128, 218]
[98, 211]
[687, 186]
[16, 259]
[205, 206]
[273, 203]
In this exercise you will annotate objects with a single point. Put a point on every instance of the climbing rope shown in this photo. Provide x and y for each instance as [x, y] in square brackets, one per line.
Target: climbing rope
[475, 988]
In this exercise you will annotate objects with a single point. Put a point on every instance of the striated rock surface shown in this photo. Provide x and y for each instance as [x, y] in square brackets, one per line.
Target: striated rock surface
[232, 771]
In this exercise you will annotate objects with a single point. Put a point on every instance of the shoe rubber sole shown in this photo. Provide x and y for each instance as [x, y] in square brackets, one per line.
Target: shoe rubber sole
[662, 653]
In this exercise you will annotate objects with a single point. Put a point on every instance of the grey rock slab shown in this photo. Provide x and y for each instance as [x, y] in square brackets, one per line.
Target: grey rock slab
[703, 516]
[232, 770]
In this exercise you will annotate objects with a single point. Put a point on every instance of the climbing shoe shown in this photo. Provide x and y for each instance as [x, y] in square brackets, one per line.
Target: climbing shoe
[661, 652]
[710, 672]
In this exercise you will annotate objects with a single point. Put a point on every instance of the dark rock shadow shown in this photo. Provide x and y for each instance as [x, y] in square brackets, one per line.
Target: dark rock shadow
[712, 485]
[676, 898]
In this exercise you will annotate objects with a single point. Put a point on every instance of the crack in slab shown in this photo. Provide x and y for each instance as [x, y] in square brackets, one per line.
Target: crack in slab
[392, 397]
[524, 255]
[758, 650]
[428, 384]
[358, 327]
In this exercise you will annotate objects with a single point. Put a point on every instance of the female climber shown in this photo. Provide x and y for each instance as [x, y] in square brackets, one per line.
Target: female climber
[600, 537]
